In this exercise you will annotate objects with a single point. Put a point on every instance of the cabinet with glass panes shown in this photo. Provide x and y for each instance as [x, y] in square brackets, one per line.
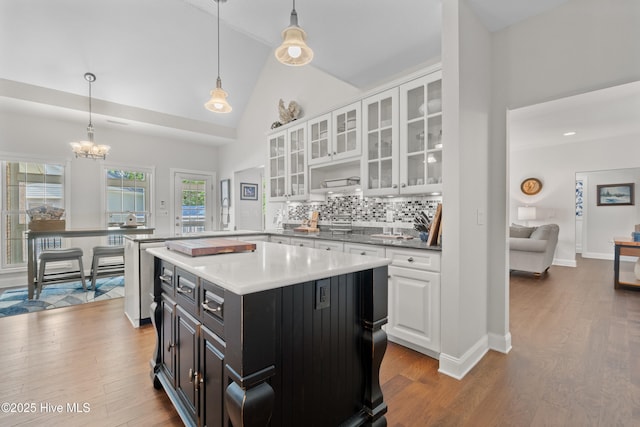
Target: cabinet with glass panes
[421, 135]
[335, 136]
[288, 164]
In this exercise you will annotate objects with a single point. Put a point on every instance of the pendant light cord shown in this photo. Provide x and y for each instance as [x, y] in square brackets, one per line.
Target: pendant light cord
[218, 2]
[90, 125]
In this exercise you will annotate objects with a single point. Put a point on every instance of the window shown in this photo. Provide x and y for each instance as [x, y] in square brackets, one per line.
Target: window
[24, 186]
[128, 192]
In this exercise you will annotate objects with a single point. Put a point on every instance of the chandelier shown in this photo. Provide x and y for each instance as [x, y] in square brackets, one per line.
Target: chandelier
[89, 149]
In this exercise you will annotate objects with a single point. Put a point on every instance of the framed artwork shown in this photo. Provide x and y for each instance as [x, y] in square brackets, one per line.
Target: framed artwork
[225, 195]
[248, 191]
[615, 194]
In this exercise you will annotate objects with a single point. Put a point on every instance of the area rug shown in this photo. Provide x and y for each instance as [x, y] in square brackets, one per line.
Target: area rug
[14, 300]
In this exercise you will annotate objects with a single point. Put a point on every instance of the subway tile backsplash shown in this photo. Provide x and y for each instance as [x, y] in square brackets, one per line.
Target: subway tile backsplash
[365, 209]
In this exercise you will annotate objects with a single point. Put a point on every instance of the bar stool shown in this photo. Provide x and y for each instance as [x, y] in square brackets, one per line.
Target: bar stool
[110, 268]
[56, 255]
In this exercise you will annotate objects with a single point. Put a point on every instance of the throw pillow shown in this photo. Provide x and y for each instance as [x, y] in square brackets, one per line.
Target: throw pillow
[520, 231]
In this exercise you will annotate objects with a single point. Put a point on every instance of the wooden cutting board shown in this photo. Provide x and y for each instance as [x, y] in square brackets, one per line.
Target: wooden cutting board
[199, 247]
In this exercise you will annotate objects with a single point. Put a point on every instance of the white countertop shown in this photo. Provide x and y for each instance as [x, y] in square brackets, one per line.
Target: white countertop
[270, 266]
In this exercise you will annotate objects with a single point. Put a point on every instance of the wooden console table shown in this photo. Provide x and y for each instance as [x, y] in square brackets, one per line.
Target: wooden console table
[627, 247]
[32, 262]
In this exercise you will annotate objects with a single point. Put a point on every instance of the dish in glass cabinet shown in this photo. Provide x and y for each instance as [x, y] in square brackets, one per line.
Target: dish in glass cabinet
[434, 106]
[421, 108]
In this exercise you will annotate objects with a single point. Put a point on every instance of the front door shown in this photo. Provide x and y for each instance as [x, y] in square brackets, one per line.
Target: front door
[193, 203]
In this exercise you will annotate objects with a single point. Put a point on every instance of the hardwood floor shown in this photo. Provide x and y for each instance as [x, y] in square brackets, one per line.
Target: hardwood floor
[575, 362]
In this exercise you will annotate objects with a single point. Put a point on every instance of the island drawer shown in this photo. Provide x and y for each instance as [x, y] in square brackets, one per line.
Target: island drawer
[212, 297]
[165, 277]
[187, 291]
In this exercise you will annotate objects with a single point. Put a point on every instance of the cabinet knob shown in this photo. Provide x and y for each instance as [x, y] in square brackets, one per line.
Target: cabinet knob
[410, 259]
[328, 249]
[301, 244]
[394, 186]
[363, 253]
[403, 185]
[170, 346]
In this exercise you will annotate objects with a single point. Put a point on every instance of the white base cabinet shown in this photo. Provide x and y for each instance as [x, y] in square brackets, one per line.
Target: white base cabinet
[414, 300]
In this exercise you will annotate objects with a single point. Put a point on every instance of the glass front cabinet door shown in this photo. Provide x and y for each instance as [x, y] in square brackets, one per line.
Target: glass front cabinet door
[346, 132]
[277, 167]
[287, 164]
[319, 139]
[421, 135]
[380, 133]
[297, 164]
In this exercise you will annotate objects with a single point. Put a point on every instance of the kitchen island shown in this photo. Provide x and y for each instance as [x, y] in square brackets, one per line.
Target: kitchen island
[283, 335]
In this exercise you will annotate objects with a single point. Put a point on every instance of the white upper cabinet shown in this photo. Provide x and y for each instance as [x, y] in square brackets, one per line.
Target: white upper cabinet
[335, 136]
[320, 148]
[381, 153]
[421, 135]
[288, 164]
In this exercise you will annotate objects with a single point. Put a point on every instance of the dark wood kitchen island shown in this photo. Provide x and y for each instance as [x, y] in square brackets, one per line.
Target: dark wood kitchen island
[281, 336]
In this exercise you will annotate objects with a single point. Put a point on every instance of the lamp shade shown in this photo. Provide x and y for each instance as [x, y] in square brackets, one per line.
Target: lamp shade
[294, 50]
[218, 101]
[526, 213]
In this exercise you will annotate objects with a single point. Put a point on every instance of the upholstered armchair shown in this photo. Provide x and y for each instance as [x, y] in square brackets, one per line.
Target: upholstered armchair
[532, 248]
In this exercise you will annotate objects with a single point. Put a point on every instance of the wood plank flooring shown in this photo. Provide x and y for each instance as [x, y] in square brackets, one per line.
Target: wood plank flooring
[575, 362]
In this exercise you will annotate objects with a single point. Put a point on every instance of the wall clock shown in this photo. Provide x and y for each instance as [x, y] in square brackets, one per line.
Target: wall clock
[531, 186]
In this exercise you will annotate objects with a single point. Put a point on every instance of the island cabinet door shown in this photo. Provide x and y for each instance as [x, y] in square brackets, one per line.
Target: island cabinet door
[187, 375]
[167, 345]
[211, 386]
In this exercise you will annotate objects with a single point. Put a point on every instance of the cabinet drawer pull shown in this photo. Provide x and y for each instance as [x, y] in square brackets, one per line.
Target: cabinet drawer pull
[166, 279]
[170, 346]
[182, 290]
[205, 306]
[410, 259]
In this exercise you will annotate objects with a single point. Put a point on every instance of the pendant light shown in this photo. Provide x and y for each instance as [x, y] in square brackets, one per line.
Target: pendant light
[89, 149]
[218, 102]
[294, 50]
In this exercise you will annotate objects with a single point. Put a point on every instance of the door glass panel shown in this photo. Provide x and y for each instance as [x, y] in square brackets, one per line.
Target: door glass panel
[387, 143]
[341, 144]
[434, 167]
[372, 114]
[415, 103]
[435, 133]
[386, 107]
[386, 169]
[374, 177]
[293, 164]
[373, 145]
[434, 95]
[194, 201]
[416, 169]
[415, 136]
[351, 140]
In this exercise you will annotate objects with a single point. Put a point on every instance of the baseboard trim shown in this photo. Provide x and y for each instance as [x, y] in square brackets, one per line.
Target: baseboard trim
[565, 262]
[501, 343]
[412, 346]
[459, 367]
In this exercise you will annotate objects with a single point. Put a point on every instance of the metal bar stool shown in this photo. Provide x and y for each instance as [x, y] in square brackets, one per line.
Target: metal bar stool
[109, 268]
[56, 255]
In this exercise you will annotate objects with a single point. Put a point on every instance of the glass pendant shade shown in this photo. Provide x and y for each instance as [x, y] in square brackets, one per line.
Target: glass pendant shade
[218, 102]
[294, 50]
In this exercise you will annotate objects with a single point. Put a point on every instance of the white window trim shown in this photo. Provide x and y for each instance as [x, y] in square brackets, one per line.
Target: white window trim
[151, 174]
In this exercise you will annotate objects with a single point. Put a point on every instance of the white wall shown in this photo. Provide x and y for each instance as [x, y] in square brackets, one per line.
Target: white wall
[315, 91]
[248, 213]
[466, 68]
[42, 138]
[580, 46]
[557, 166]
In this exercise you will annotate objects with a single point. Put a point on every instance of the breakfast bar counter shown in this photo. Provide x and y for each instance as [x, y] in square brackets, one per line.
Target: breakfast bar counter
[282, 335]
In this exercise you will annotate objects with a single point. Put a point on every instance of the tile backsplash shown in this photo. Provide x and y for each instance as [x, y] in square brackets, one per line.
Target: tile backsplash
[365, 209]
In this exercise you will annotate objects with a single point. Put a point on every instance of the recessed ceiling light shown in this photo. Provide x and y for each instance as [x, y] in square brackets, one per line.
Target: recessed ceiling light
[570, 133]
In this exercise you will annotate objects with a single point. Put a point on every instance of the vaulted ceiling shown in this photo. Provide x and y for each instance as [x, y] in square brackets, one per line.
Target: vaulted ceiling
[160, 55]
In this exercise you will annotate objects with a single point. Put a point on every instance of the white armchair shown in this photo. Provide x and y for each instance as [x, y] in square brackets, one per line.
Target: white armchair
[532, 248]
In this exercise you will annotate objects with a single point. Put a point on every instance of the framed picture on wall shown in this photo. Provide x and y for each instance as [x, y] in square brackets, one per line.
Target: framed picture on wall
[225, 195]
[248, 191]
[615, 194]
